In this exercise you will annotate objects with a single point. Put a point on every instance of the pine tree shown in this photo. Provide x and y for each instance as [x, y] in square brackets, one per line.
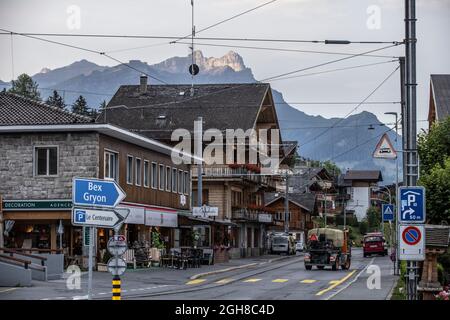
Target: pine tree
[56, 100]
[102, 105]
[80, 106]
[93, 113]
[25, 86]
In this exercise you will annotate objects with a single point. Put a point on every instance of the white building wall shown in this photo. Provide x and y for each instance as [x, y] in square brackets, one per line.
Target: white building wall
[359, 201]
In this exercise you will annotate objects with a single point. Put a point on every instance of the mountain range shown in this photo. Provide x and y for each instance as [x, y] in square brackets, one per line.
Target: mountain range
[346, 141]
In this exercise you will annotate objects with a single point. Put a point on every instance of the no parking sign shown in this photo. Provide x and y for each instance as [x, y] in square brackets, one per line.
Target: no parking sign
[412, 242]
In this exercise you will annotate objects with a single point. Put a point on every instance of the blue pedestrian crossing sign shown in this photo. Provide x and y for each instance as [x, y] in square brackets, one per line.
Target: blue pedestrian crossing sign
[411, 204]
[388, 212]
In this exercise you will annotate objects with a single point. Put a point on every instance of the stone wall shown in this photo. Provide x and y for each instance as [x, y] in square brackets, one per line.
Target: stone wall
[78, 155]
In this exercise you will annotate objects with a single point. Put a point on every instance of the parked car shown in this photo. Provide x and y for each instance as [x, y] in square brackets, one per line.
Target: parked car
[299, 246]
[282, 243]
[374, 243]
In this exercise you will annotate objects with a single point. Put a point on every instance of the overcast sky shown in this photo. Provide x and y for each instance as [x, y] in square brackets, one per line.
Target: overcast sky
[356, 20]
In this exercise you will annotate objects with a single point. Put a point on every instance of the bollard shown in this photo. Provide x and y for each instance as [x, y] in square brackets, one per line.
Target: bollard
[116, 288]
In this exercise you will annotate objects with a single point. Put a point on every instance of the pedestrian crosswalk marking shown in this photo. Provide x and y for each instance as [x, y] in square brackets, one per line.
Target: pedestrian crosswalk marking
[196, 281]
[252, 280]
[223, 281]
[308, 281]
[280, 280]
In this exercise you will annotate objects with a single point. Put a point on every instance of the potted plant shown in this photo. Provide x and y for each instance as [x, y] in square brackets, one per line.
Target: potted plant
[195, 237]
[103, 266]
[155, 250]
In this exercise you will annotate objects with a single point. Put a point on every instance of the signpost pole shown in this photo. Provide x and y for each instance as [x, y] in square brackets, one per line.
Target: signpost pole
[90, 263]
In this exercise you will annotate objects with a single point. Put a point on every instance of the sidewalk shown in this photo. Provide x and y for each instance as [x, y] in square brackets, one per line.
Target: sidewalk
[153, 279]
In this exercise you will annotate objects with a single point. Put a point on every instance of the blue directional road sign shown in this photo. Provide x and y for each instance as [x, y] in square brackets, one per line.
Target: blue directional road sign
[411, 204]
[96, 193]
[388, 212]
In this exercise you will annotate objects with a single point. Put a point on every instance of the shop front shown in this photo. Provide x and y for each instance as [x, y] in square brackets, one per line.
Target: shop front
[42, 224]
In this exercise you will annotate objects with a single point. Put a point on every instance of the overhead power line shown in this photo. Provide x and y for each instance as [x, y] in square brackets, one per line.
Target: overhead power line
[86, 35]
[334, 70]
[327, 63]
[288, 50]
[226, 20]
[359, 145]
[355, 108]
[162, 81]
[87, 50]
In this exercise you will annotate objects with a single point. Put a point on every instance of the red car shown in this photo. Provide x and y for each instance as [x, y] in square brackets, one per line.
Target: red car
[374, 243]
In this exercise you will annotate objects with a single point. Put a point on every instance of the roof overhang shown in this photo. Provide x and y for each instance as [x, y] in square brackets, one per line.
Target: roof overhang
[106, 129]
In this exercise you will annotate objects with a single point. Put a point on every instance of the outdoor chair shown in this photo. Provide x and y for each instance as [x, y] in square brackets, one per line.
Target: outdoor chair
[129, 258]
[208, 255]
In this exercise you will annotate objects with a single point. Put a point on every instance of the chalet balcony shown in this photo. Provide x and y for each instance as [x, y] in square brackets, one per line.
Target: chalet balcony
[251, 215]
[247, 173]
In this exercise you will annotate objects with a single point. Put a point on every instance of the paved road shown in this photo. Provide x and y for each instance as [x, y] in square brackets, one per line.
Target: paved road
[266, 278]
[290, 280]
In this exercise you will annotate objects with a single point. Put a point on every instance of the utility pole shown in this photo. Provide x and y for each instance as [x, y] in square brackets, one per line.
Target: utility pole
[411, 125]
[286, 204]
[198, 128]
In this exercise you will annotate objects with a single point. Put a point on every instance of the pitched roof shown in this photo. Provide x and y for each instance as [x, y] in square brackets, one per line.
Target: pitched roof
[305, 200]
[18, 110]
[164, 108]
[365, 175]
[436, 235]
[289, 146]
[440, 84]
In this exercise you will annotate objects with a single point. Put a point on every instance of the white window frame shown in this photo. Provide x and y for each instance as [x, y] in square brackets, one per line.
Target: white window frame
[35, 161]
[154, 177]
[129, 170]
[161, 184]
[146, 184]
[174, 180]
[109, 151]
[168, 178]
[137, 178]
[180, 183]
[186, 183]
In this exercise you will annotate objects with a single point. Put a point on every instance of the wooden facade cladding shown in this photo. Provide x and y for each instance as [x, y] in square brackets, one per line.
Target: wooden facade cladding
[140, 193]
[299, 217]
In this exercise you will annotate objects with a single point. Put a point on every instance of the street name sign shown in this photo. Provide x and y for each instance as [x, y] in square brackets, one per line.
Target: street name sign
[412, 242]
[388, 212]
[205, 211]
[95, 218]
[117, 245]
[385, 149]
[117, 266]
[96, 193]
[411, 204]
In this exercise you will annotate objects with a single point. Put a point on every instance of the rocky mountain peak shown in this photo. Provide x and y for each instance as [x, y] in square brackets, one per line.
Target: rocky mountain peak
[45, 70]
[231, 59]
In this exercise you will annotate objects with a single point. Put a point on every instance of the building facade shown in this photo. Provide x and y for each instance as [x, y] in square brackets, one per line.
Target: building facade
[43, 148]
[235, 188]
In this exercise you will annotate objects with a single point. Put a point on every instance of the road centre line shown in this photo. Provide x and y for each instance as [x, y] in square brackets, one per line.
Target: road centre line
[252, 280]
[308, 281]
[353, 280]
[196, 281]
[335, 284]
[280, 280]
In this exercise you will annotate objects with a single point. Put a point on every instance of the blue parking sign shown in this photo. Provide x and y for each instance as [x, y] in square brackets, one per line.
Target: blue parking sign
[411, 204]
[388, 212]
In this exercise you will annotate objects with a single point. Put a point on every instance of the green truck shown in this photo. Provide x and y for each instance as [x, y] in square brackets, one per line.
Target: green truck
[327, 247]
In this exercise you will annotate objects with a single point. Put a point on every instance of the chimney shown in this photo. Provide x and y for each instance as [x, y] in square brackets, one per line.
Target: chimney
[143, 84]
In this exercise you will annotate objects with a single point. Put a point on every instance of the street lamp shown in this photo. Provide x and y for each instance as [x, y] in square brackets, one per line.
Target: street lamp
[396, 264]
